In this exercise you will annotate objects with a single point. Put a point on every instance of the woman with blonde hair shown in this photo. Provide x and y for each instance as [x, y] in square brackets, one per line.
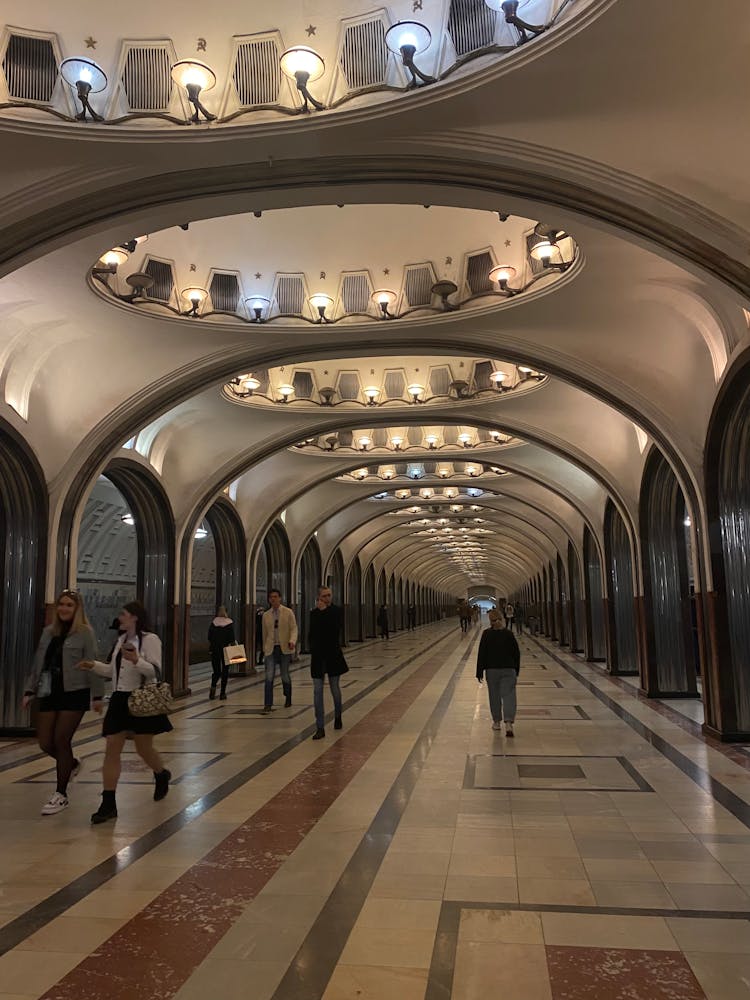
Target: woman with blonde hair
[499, 658]
[63, 693]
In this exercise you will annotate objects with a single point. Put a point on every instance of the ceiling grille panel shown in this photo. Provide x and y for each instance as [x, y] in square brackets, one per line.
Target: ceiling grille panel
[478, 268]
[395, 385]
[163, 280]
[418, 285]
[355, 293]
[471, 25]
[349, 385]
[482, 371]
[303, 385]
[364, 55]
[440, 381]
[290, 294]
[380, 437]
[225, 292]
[414, 435]
[146, 80]
[30, 69]
[256, 74]
[450, 435]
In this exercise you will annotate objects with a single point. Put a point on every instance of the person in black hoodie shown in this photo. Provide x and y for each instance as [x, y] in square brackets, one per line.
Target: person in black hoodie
[220, 635]
[500, 658]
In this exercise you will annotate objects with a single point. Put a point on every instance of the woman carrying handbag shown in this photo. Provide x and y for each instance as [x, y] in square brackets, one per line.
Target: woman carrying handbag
[135, 659]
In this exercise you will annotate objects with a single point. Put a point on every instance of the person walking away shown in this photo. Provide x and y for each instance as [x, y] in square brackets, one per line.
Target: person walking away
[383, 622]
[509, 613]
[326, 658]
[135, 659]
[279, 642]
[519, 618]
[499, 658]
[220, 635]
[63, 694]
[411, 617]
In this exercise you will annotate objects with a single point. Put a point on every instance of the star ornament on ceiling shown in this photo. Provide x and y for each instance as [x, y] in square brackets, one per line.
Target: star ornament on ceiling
[90, 42]
[258, 275]
[310, 29]
[507, 243]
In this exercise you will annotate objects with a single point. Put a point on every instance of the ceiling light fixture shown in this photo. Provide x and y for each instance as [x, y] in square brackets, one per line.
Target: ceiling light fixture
[498, 378]
[258, 305]
[85, 77]
[445, 289]
[371, 393]
[195, 77]
[397, 441]
[363, 443]
[443, 473]
[410, 38]
[285, 391]
[201, 533]
[195, 296]
[383, 298]
[321, 302]
[415, 391]
[303, 65]
[432, 441]
[502, 274]
[544, 250]
[246, 385]
[509, 8]
[465, 439]
[110, 261]
[361, 473]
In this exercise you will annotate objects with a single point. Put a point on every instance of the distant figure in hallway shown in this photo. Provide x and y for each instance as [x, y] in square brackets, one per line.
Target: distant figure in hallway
[475, 612]
[135, 659]
[411, 617]
[63, 694]
[383, 621]
[464, 614]
[500, 659]
[326, 658]
[510, 613]
[279, 642]
[519, 619]
[220, 635]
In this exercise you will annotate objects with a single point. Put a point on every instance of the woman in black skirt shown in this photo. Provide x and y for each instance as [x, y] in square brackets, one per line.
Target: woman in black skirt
[132, 661]
[63, 695]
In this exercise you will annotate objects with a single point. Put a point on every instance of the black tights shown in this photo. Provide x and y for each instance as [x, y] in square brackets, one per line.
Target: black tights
[55, 732]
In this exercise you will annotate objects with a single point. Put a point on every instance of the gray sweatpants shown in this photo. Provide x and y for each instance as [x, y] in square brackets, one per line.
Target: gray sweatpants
[501, 687]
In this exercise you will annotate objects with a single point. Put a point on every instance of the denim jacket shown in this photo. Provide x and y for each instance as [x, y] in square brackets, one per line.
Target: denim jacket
[76, 647]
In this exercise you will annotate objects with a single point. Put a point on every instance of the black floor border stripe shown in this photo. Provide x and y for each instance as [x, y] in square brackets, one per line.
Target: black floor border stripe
[192, 701]
[38, 916]
[311, 969]
[705, 781]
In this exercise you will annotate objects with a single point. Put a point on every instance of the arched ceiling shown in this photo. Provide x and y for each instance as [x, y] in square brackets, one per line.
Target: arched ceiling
[631, 342]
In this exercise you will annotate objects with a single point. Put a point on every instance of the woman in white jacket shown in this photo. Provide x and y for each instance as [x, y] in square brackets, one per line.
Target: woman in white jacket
[132, 662]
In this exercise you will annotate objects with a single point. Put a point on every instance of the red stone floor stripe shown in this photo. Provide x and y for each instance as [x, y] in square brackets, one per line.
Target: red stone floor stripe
[155, 952]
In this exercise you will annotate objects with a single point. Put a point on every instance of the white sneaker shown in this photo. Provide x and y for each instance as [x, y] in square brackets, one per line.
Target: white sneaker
[497, 725]
[56, 804]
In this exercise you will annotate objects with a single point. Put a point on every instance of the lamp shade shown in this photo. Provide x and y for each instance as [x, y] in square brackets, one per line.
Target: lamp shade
[415, 389]
[383, 296]
[194, 295]
[498, 377]
[257, 302]
[372, 392]
[193, 73]
[286, 390]
[408, 33]
[544, 250]
[321, 301]
[115, 256]
[79, 70]
[250, 382]
[302, 59]
[502, 273]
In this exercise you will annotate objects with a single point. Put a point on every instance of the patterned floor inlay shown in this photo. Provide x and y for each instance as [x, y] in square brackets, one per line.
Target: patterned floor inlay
[593, 774]
[620, 974]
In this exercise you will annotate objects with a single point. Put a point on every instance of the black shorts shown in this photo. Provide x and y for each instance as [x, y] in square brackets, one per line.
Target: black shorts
[66, 701]
[119, 720]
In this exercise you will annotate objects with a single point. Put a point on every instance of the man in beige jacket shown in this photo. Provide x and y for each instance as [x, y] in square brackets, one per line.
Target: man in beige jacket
[279, 642]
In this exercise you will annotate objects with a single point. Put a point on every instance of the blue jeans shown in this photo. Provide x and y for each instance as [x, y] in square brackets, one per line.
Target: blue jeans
[283, 659]
[320, 712]
[501, 687]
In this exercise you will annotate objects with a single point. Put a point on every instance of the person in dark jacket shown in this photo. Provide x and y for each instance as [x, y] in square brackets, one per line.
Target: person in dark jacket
[383, 621]
[500, 659]
[220, 635]
[326, 658]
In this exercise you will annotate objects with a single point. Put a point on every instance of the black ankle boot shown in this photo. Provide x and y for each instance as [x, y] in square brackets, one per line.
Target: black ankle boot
[337, 723]
[319, 734]
[212, 692]
[287, 695]
[107, 810]
[223, 695]
[161, 784]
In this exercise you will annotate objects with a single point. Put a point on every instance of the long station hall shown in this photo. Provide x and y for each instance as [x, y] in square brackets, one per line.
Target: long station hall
[375, 500]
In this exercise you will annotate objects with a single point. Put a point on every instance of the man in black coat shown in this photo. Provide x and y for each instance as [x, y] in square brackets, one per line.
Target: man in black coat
[326, 658]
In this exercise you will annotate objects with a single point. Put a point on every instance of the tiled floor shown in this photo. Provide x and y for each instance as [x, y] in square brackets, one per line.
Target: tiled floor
[417, 855]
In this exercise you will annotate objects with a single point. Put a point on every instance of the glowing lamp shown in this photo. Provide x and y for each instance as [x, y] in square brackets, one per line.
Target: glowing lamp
[86, 78]
[195, 77]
